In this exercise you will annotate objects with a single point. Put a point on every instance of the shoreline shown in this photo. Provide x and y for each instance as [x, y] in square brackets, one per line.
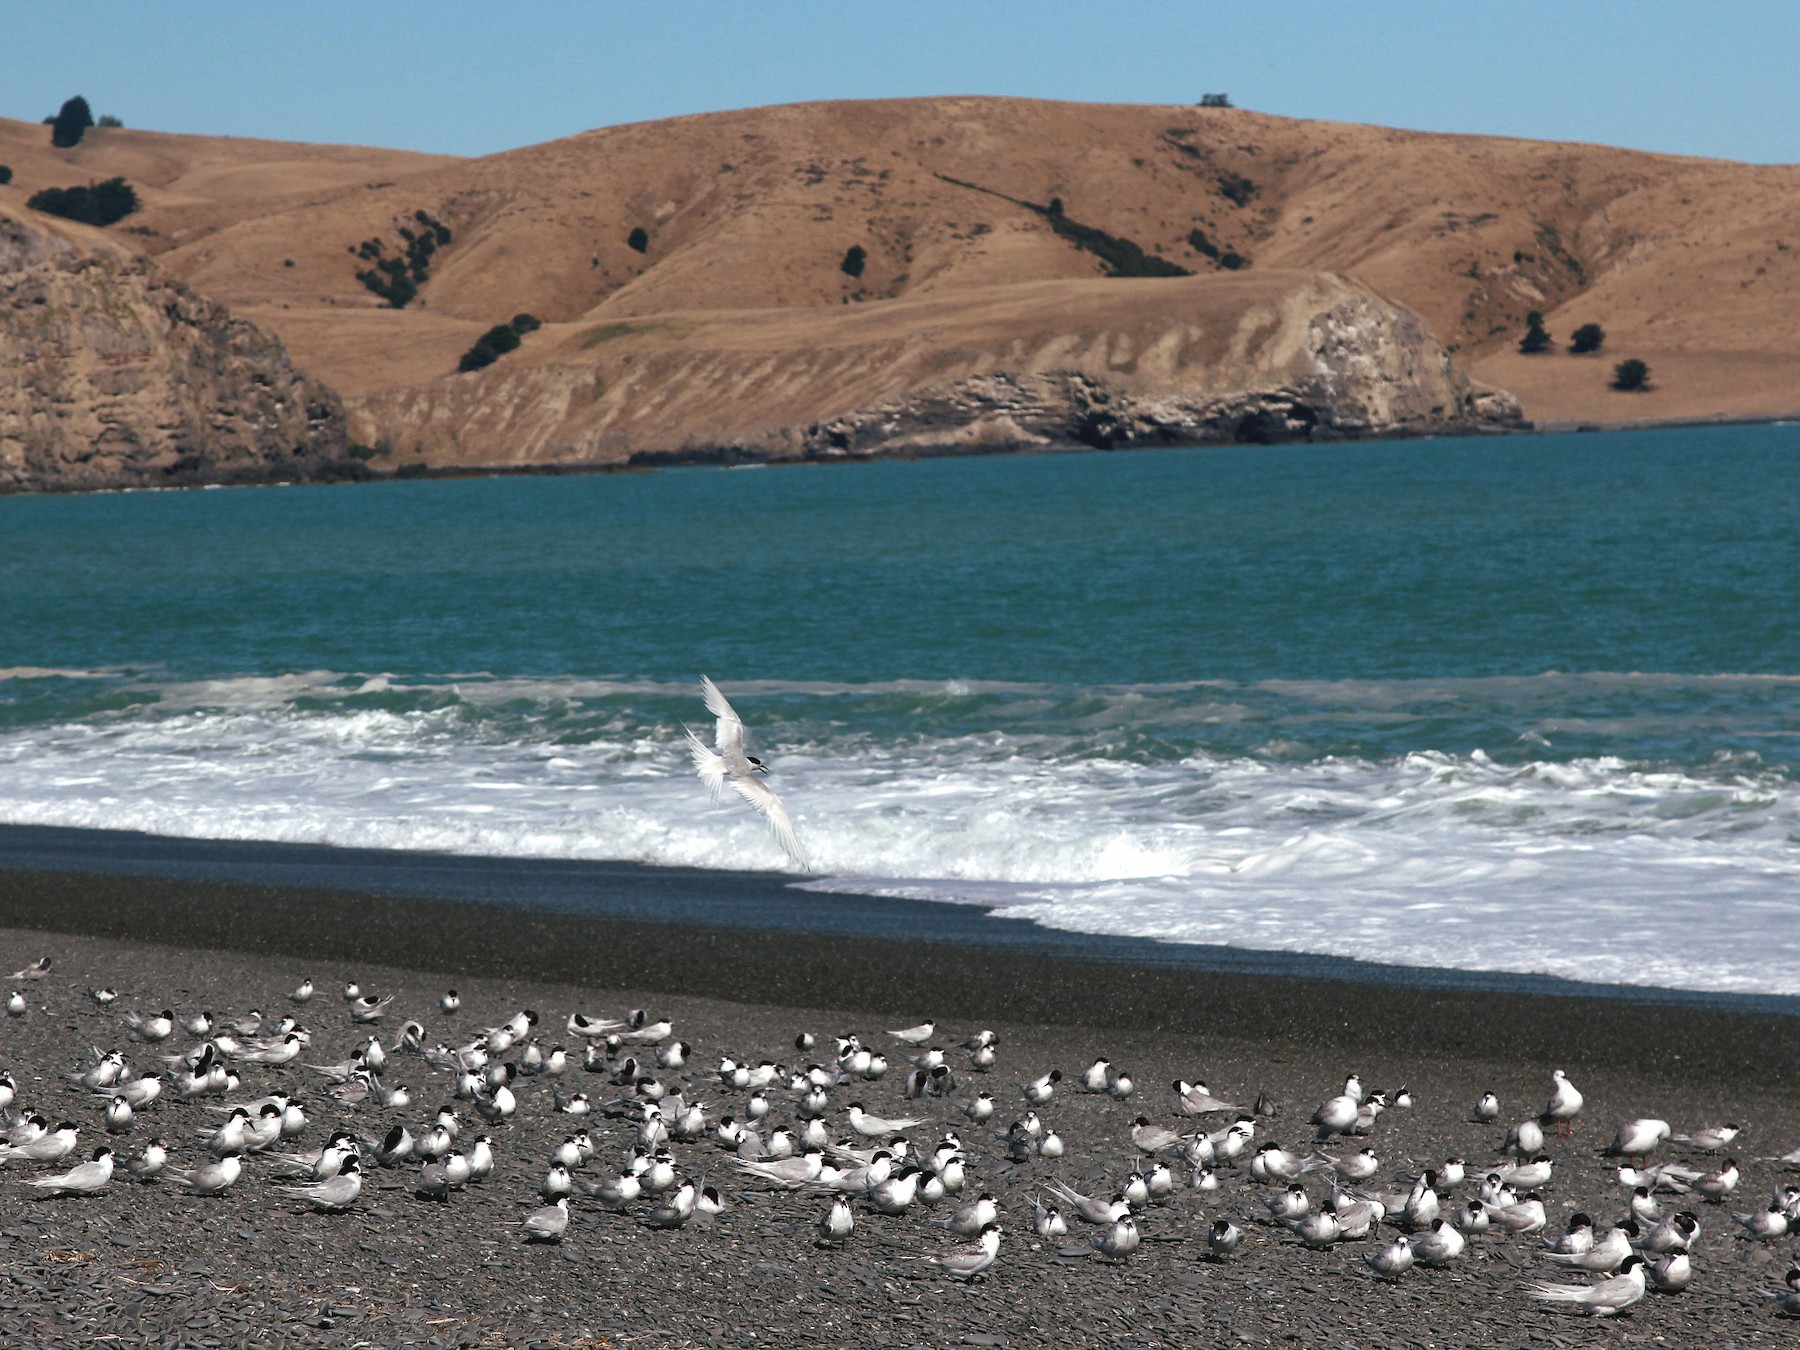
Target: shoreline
[357, 471]
[751, 938]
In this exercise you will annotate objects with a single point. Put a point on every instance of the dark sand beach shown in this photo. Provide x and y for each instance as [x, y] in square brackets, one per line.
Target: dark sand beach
[149, 1265]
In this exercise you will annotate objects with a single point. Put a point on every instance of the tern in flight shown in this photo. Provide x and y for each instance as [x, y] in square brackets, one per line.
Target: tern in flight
[729, 764]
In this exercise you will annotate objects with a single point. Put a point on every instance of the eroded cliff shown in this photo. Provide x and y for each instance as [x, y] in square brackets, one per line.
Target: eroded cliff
[113, 375]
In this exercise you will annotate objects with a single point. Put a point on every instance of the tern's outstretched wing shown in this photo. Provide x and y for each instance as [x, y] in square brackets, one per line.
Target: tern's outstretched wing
[710, 765]
[754, 791]
[730, 733]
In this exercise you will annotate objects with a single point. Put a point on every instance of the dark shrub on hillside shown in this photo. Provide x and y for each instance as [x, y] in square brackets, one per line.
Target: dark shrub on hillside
[67, 126]
[1215, 100]
[498, 341]
[5, 174]
[638, 239]
[1631, 375]
[397, 280]
[1536, 339]
[1587, 338]
[92, 204]
[1237, 189]
[1229, 259]
[490, 347]
[108, 120]
[852, 266]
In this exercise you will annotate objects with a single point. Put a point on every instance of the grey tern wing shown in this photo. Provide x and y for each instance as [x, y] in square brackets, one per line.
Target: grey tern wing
[728, 733]
[753, 790]
[708, 763]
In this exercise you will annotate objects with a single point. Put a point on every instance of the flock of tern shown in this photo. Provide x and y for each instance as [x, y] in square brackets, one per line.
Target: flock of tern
[637, 1141]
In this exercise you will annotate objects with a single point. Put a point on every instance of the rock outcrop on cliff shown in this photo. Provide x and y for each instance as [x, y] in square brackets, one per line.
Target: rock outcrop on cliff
[1261, 357]
[114, 375]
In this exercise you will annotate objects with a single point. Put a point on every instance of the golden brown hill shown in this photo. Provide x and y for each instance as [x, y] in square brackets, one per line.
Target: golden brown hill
[1687, 263]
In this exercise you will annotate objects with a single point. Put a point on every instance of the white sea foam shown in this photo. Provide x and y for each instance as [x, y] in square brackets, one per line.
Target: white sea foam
[1595, 867]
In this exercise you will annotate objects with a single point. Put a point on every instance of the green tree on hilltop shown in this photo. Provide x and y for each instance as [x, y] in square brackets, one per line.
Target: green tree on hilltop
[1587, 338]
[74, 118]
[1536, 339]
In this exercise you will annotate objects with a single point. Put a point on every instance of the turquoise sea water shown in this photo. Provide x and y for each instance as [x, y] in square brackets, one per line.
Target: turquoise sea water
[1520, 704]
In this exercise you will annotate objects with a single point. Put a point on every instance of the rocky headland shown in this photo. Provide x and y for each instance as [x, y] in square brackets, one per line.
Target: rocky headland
[117, 376]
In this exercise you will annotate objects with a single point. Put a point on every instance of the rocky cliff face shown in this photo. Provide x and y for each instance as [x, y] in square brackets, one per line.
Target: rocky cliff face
[1195, 360]
[113, 375]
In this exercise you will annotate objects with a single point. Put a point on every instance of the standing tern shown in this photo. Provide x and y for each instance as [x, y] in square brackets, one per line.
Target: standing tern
[1564, 1105]
[730, 765]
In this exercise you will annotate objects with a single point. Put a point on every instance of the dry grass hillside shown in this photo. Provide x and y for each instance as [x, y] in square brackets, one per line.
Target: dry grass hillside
[1692, 264]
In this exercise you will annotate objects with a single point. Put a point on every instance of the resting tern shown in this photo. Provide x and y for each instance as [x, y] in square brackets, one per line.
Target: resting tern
[1392, 1261]
[1577, 1238]
[1524, 1140]
[51, 1146]
[1193, 1099]
[213, 1178]
[149, 1164]
[965, 1263]
[1153, 1139]
[1672, 1274]
[1606, 1255]
[972, 1217]
[1086, 1208]
[83, 1179]
[1710, 1140]
[1677, 1233]
[1321, 1228]
[331, 1194]
[1765, 1224]
[157, 1028]
[1046, 1221]
[1118, 1240]
[1438, 1245]
[673, 1212]
[1787, 1301]
[1637, 1138]
[874, 1126]
[1715, 1186]
[1611, 1295]
[729, 764]
[549, 1223]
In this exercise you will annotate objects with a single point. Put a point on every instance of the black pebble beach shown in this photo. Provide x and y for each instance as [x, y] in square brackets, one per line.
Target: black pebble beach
[149, 1265]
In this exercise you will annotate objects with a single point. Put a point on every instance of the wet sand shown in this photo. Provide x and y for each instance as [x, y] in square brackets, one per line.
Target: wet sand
[149, 1265]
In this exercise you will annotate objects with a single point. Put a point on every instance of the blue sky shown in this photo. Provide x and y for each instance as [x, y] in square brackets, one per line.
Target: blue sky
[469, 78]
